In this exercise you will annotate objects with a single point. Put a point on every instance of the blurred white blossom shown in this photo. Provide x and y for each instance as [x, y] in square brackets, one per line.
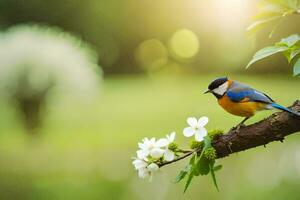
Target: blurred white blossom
[196, 128]
[47, 56]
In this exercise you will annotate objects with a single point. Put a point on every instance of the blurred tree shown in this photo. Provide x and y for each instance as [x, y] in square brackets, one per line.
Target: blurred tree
[38, 62]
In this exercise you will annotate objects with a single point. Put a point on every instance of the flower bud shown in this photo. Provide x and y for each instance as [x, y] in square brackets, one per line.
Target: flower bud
[214, 133]
[173, 146]
[196, 144]
[210, 153]
[152, 167]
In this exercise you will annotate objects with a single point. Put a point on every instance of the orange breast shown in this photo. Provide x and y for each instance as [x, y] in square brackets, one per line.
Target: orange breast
[243, 109]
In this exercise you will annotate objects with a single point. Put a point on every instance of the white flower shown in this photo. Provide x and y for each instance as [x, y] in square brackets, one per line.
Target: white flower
[168, 154]
[145, 170]
[143, 173]
[196, 128]
[151, 147]
[49, 57]
[139, 164]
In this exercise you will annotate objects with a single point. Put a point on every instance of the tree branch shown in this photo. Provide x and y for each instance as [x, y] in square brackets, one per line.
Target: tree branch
[177, 159]
[273, 128]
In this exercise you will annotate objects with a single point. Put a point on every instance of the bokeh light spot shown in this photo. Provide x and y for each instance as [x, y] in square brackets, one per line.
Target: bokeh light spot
[152, 54]
[184, 44]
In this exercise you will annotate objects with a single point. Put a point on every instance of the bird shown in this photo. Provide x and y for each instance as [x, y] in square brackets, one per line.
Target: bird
[242, 100]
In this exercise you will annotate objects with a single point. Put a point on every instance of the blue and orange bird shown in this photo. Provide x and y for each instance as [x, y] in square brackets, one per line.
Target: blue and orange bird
[242, 100]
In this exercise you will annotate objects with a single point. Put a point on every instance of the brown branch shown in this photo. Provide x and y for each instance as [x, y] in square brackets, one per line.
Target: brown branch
[177, 159]
[273, 128]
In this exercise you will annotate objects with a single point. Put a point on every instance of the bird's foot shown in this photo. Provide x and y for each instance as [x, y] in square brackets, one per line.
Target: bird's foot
[237, 128]
[240, 126]
[233, 128]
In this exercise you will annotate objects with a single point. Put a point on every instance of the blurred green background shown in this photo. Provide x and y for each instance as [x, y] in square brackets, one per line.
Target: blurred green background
[73, 107]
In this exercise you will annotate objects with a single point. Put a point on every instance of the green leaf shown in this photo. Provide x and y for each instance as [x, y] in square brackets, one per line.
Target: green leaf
[268, 12]
[192, 160]
[290, 41]
[287, 55]
[284, 5]
[293, 4]
[189, 180]
[217, 168]
[202, 166]
[187, 169]
[183, 173]
[202, 163]
[291, 53]
[272, 10]
[294, 53]
[274, 29]
[265, 52]
[213, 175]
[297, 68]
[207, 143]
[260, 23]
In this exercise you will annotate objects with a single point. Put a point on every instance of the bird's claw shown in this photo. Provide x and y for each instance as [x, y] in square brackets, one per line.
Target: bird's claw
[233, 128]
[237, 128]
[241, 125]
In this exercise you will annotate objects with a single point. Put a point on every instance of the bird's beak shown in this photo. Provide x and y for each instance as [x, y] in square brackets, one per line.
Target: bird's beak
[208, 91]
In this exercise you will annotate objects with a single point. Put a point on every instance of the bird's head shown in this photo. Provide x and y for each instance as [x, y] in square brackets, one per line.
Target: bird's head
[218, 87]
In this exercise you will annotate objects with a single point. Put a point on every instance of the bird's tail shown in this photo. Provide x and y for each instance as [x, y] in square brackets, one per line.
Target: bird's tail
[275, 105]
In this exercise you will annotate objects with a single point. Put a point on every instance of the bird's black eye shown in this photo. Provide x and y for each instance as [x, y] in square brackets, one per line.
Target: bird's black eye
[217, 82]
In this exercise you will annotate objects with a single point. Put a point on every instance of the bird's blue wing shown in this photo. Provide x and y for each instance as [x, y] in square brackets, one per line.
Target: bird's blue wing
[239, 92]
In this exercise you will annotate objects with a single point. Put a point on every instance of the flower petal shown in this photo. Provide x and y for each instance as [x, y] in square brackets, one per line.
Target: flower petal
[141, 145]
[192, 121]
[200, 134]
[202, 131]
[172, 137]
[142, 154]
[145, 140]
[143, 173]
[163, 142]
[157, 152]
[198, 137]
[203, 121]
[169, 155]
[138, 164]
[151, 141]
[188, 132]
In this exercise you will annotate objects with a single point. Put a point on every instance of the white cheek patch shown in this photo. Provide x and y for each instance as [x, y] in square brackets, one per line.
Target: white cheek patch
[221, 89]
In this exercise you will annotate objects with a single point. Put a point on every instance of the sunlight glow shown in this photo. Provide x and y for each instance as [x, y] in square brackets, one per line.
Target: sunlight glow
[231, 13]
[184, 44]
[152, 54]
